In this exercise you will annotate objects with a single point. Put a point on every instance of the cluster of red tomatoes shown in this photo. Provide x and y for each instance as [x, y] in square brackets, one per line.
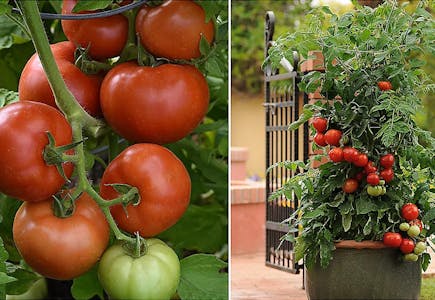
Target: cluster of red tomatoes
[408, 240]
[146, 105]
[375, 178]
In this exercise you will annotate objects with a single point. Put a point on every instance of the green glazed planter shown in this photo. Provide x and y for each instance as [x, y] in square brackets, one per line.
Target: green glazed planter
[367, 271]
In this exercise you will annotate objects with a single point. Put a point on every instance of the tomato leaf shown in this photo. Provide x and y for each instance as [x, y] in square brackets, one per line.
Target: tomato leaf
[90, 5]
[7, 97]
[4, 7]
[203, 277]
[194, 229]
[24, 279]
[87, 285]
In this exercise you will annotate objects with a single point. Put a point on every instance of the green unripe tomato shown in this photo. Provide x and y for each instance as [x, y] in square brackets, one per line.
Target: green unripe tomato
[413, 231]
[154, 275]
[410, 257]
[420, 247]
[381, 182]
[374, 190]
[384, 190]
[404, 226]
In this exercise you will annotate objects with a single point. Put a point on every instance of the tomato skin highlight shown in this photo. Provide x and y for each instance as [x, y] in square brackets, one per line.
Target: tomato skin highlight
[332, 137]
[392, 239]
[106, 36]
[336, 154]
[155, 275]
[320, 124]
[24, 173]
[154, 104]
[34, 86]
[409, 211]
[163, 183]
[61, 248]
[173, 30]
[350, 185]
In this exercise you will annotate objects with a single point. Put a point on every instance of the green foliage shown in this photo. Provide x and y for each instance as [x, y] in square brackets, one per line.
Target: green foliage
[362, 48]
[203, 277]
[204, 153]
[247, 37]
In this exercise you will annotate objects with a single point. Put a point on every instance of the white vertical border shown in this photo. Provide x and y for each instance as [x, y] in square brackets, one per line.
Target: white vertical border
[229, 149]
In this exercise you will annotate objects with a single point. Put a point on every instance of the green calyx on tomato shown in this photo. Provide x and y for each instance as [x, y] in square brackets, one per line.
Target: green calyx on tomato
[154, 275]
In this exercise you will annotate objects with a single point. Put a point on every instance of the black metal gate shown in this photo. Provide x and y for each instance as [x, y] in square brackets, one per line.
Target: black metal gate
[283, 103]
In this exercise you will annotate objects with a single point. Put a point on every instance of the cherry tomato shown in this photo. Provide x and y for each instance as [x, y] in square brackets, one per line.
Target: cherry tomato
[413, 231]
[163, 184]
[373, 179]
[24, 173]
[417, 222]
[34, 86]
[154, 104]
[385, 85]
[336, 154]
[320, 124]
[105, 37]
[374, 190]
[404, 226]
[370, 168]
[319, 139]
[387, 175]
[410, 257]
[361, 160]
[173, 30]
[350, 185]
[409, 211]
[154, 275]
[392, 239]
[350, 154]
[420, 247]
[61, 248]
[407, 246]
[332, 137]
[387, 161]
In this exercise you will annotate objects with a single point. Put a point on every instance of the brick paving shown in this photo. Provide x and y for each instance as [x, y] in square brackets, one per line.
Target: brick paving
[252, 280]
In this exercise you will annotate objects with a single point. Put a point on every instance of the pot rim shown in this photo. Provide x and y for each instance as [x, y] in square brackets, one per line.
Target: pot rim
[352, 244]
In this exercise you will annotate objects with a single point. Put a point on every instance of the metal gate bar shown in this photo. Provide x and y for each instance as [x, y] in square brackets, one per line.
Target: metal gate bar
[283, 102]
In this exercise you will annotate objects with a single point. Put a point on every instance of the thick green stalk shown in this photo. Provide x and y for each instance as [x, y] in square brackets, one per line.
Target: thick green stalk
[77, 117]
[64, 99]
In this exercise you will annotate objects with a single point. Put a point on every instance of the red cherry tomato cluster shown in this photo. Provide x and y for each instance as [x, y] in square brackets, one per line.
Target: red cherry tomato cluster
[408, 240]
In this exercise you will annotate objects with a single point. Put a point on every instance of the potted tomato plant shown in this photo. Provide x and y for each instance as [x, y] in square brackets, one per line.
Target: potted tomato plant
[367, 214]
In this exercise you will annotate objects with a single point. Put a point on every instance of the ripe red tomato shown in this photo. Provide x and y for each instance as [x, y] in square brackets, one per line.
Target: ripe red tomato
[407, 246]
[336, 154]
[373, 179]
[409, 211]
[154, 104]
[392, 239]
[385, 85]
[106, 36]
[361, 160]
[319, 139]
[350, 154]
[370, 168]
[163, 184]
[350, 185]
[320, 124]
[387, 161]
[61, 248]
[387, 175]
[173, 30]
[24, 173]
[34, 85]
[332, 137]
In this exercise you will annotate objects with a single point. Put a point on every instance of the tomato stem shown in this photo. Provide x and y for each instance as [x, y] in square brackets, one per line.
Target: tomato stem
[63, 97]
